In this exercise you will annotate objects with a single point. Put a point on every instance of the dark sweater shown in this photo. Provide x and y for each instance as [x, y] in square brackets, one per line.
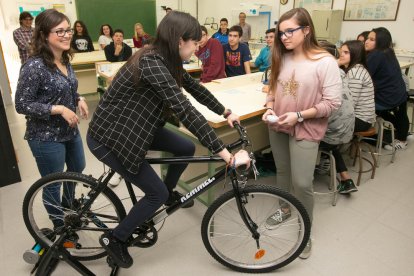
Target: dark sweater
[123, 55]
[386, 75]
[82, 43]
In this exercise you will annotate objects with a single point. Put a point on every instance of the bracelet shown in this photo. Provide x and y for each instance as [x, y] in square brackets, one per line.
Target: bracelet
[80, 99]
[227, 113]
[232, 162]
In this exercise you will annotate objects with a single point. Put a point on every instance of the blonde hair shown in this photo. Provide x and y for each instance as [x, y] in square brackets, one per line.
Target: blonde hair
[135, 28]
[310, 44]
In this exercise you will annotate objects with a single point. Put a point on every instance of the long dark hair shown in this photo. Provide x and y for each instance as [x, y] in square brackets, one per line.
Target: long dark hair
[172, 27]
[310, 45]
[111, 32]
[44, 23]
[383, 41]
[84, 29]
[357, 54]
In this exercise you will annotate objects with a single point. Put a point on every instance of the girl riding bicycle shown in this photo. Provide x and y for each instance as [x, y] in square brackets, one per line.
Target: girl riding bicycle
[130, 118]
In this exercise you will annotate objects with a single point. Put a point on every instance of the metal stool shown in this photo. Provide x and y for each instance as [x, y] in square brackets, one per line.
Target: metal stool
[410, 101]
[333, 181]
[381, 124]
[357, 144]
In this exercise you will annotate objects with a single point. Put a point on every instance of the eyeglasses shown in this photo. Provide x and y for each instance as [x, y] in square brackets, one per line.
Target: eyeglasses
[289, 33]
[62, 33]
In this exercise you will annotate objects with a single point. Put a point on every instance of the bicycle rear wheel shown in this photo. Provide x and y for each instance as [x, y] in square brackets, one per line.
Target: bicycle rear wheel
[229, 241]
[72, 191]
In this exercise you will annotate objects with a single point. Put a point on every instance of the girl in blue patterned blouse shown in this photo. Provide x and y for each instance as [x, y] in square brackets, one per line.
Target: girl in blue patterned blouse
[47, 95]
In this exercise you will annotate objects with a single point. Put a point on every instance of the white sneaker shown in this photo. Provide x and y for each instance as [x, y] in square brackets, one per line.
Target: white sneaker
[307, 250]
[115, 180]
[398, 145]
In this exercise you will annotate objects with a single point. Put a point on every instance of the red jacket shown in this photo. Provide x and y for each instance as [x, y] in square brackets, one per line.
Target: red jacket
[211, 55]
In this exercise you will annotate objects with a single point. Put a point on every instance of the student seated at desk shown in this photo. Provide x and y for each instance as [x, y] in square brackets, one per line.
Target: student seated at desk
[118, 50]
[236, 55]
[106, 36]
[263, 59]
[139, 36]
[81, 41]
[210, 54]
[222, 35]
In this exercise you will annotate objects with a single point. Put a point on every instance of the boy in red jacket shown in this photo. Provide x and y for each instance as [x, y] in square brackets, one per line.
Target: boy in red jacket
[211, 55]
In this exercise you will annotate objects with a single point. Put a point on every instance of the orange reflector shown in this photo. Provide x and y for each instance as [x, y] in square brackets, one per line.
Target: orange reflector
[259, 254]
[69, 244]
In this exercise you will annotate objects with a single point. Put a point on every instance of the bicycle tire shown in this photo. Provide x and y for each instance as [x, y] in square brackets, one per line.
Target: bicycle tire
[106, 211]
[229, 241]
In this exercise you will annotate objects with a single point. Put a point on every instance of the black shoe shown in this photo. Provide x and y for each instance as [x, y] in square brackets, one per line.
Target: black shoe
[347, 186]
[117, 249]
[175, 197]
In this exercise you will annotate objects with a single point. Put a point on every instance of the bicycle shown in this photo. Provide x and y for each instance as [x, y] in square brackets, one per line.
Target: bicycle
[233, 228]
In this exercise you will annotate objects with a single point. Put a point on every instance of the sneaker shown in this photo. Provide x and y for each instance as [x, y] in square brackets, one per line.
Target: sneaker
[307, 250]
[115, 180]
[399, 145]
[277, 218]
[117, 249]
[175, 197]
[347, 186]
[323, 166]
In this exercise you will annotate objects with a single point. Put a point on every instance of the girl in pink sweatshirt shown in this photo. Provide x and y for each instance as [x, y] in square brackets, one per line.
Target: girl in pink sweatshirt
[305, 87]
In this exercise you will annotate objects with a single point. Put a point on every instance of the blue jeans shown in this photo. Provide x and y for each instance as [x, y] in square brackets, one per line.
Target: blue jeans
[51, 157]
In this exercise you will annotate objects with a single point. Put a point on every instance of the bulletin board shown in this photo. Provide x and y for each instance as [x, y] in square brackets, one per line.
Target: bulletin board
[311, 5]
[119, 14]
[369, 10]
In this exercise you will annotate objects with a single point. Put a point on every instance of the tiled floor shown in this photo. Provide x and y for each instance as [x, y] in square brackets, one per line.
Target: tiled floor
[370, 232]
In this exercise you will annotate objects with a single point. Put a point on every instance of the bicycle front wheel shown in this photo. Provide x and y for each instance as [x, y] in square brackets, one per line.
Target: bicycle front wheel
[230, 242]
[56, 198]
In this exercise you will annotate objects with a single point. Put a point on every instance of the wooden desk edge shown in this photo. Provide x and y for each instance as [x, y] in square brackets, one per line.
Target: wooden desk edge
[244, 117]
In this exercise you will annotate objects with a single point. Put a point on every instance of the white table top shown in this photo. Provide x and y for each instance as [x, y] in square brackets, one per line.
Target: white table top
[242, 94]
[88, 57]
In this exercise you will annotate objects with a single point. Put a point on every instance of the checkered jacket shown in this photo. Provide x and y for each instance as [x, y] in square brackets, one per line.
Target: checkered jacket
[128, 115]
[22, 37]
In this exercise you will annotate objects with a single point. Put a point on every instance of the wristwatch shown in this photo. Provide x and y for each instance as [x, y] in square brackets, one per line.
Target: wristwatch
[300, 118]
[226, 113]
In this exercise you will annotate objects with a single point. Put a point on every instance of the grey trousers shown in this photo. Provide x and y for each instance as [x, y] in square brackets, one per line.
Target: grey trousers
[295, 163]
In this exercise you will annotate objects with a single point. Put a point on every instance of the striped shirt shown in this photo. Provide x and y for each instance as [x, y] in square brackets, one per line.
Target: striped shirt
[362, 91]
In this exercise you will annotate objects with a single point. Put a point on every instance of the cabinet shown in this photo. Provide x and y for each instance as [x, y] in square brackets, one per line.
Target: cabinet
[327, 24]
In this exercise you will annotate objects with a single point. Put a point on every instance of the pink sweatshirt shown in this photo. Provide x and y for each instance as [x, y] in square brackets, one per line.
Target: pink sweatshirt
[305, 84]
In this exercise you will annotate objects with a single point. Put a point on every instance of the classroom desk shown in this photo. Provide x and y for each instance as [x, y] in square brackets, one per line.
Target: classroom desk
[243, 95]
[106, 71]
[84, 66]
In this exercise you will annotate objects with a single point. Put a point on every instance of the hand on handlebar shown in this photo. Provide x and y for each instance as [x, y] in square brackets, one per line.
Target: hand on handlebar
[233, 118]
[242, 159]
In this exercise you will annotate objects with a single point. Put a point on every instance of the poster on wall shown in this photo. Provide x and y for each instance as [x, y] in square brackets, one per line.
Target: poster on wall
[33, 9]
[59, 7]
[312, 5]
[371, 10]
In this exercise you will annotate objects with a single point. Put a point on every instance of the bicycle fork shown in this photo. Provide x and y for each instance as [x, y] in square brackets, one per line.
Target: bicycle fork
[241, 201]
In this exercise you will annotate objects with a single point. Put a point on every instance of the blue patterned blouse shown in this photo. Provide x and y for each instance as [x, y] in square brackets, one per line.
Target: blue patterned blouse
[38, 89]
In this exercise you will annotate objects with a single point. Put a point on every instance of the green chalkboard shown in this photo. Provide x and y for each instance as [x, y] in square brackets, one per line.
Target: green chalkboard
[120, 14]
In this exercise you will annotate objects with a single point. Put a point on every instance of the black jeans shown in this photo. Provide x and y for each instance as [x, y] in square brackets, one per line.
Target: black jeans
[399, 118]
[361, 125]
[156, 191]
[339, 161]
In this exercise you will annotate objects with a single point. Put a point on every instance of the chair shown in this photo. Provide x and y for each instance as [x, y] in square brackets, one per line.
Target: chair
[358, 143]
[333, 181]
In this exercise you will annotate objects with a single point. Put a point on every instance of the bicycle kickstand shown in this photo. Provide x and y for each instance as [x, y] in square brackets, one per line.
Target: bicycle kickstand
[57, 253]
